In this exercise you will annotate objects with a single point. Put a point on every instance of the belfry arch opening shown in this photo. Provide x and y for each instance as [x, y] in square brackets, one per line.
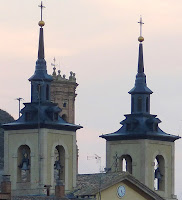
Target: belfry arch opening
[59, 164]
[23, 164]
[159, 173]
[125, 163]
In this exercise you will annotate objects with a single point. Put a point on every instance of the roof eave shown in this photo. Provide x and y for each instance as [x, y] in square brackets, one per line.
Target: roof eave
[110, 137]
[19, 126]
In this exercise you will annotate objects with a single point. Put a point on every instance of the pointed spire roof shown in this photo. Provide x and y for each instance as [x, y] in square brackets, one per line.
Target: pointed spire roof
[40, 73]
[41, 45]
[140, 59]
[140, 82]
[41, 37]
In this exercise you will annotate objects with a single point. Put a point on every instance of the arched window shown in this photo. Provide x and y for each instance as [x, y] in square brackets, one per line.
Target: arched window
[126, 163]
[139, 104]
[23, 165]
[147, 104]
[159, 173]
[65, 103]
[47, 92]
[59, 164]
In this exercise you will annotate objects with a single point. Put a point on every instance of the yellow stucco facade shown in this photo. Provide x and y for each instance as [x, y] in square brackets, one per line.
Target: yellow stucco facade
[142, 154]
[132, 192]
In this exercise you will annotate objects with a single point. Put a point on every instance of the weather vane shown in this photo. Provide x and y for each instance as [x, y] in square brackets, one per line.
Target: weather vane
[54, 64]
[41, 7]
[141, 39]
[54, 61]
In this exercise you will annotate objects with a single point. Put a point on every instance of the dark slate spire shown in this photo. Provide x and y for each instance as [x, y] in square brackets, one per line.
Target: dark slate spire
[140, 55]
[140, 82]
[140, 59]
[41, 36]
[40, 73]
[41, 112]
[41, 45]
[140, 124]
[140, 94]
[40, 81]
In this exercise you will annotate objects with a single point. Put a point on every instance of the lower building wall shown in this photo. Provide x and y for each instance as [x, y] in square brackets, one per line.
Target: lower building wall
[143, 154]
[36, 198]
[130, 193]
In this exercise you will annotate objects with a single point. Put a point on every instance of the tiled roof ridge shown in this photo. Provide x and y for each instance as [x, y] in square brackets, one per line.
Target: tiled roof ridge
[90, 184]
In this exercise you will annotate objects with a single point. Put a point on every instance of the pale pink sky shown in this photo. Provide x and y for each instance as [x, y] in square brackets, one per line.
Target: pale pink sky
[97, 39]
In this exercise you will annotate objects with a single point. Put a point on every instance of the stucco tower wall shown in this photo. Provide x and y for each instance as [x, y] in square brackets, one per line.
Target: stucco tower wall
[143, 153]
[42, 144]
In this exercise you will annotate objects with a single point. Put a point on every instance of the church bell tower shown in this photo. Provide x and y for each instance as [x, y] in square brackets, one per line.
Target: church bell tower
[140, 146]
[63, 92]
[40, 147]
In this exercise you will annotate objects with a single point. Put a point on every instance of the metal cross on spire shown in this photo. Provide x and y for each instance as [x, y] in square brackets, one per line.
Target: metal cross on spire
[141, 23]
[41, 7]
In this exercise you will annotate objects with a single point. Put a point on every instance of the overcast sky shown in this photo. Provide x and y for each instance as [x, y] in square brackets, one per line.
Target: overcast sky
[97, 39]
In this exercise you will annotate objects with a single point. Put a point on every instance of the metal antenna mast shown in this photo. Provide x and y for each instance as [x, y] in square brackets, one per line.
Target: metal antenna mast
[19, 99]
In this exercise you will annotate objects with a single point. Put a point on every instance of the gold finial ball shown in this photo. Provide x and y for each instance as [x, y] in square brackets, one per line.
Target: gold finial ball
[140, 39]
[41, 23]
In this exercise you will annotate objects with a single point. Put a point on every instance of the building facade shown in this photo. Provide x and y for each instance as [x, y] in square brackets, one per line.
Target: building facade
[140, 146]
[113, 185]
[40, 147]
